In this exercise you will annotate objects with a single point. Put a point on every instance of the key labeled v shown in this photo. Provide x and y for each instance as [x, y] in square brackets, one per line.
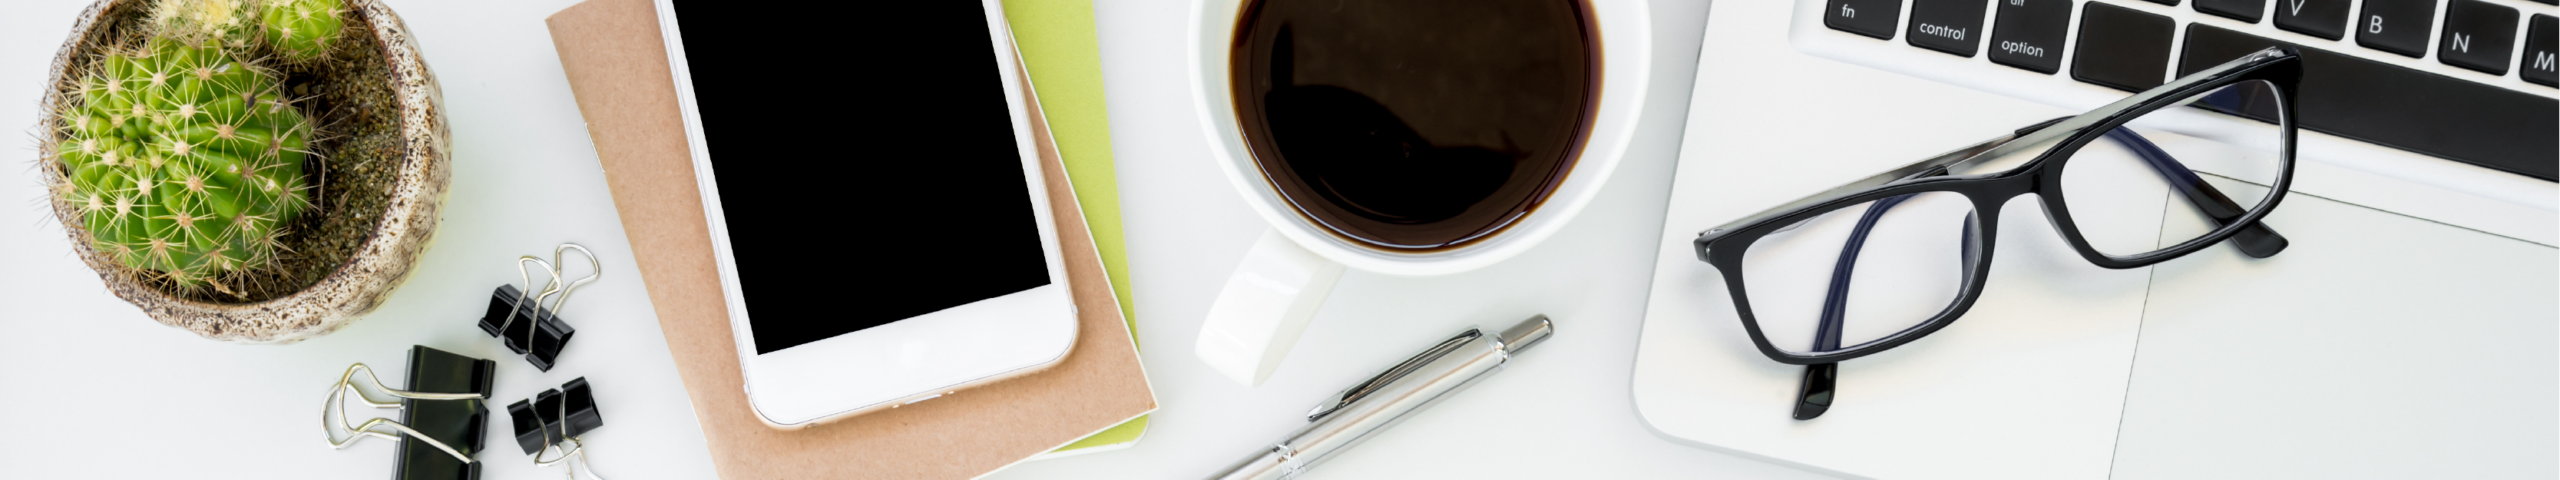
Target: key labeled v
[2297, 7]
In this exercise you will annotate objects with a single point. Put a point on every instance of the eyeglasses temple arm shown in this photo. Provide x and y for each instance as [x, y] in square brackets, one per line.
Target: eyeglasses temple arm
[1816, 393]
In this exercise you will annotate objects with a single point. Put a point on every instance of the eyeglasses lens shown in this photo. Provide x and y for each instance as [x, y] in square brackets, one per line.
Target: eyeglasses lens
[2141, 188]
[1860, 273]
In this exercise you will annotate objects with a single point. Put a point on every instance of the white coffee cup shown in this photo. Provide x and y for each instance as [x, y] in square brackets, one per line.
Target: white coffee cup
[1267, 301]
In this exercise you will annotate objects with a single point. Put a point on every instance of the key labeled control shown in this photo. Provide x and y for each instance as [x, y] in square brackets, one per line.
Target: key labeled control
[1872, 18]
[2029, 34]
[1952, 26]
[2396, 26]
[2477, 36]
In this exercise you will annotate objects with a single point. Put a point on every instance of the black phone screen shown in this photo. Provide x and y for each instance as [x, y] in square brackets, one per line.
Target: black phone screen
[865, 158]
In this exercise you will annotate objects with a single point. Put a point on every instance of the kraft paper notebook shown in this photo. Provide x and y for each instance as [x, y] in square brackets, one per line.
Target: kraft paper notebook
[616, 64]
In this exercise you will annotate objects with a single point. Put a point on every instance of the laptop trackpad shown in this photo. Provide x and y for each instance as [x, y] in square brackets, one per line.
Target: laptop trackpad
[2377, 346]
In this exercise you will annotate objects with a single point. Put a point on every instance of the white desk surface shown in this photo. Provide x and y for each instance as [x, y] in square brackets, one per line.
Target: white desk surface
[90, 388]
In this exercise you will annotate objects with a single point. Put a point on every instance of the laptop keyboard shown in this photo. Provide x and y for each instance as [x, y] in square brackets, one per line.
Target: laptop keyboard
[2459, 106]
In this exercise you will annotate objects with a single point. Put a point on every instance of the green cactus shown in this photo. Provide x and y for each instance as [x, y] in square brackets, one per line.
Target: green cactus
[302, 29]
[184, 161]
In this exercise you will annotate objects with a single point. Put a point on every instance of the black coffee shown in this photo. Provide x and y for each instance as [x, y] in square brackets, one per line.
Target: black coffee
[1416, 124]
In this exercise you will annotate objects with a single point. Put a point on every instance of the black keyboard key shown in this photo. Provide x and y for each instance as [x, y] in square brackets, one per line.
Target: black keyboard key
[2028, 34]
[2422, 112]
[2541, 46]
[2396, 26]
[1872, 18]
[2122, 48]
[2243, 10]
[2318, 18]
[2172, 3]
[1952, 26]
[2477, 36]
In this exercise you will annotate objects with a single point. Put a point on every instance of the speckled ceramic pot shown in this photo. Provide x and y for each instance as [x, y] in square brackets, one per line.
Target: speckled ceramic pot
[403, 198]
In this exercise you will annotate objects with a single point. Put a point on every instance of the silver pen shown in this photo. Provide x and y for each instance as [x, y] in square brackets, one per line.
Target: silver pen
[1380, 402]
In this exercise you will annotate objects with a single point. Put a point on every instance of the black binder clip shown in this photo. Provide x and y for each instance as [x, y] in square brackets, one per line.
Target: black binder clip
[553, 421]
[441, 414]
[523, 323]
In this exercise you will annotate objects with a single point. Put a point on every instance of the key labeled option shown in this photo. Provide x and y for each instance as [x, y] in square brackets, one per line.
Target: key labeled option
[1872, 18]
[2477, 36]
[2029, 34]
[1952, 26]
[2396, 26]
[2319, 18]
[2123, 48]
[2541, 60]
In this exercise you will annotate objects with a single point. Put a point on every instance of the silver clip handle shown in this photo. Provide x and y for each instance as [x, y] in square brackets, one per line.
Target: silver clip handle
[337, 403]
[575, 451]
[592, 266]
[517, 308]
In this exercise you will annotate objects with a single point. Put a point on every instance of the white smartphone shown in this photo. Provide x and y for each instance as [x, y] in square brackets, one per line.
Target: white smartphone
[874, 200]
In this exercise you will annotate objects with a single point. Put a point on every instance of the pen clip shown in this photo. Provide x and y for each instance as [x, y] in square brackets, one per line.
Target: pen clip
[1366, 387]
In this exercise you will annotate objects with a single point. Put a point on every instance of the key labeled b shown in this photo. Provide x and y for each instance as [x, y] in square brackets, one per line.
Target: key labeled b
[2396, 26]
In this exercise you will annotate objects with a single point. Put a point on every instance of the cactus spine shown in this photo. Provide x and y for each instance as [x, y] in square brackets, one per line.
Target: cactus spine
[184, 161]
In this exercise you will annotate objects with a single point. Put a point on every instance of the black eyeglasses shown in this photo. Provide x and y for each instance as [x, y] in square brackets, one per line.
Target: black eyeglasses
[1917, 240]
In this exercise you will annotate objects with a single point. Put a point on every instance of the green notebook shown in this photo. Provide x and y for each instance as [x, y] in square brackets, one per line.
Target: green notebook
[1057, 42]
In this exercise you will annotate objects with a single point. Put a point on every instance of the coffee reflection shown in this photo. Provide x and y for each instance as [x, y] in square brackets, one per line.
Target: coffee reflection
[1415, 124]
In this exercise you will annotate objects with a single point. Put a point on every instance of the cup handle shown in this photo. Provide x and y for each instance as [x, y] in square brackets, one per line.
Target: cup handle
[1265, 305]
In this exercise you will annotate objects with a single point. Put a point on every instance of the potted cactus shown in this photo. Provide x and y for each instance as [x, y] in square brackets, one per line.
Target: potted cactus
[258, 171]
